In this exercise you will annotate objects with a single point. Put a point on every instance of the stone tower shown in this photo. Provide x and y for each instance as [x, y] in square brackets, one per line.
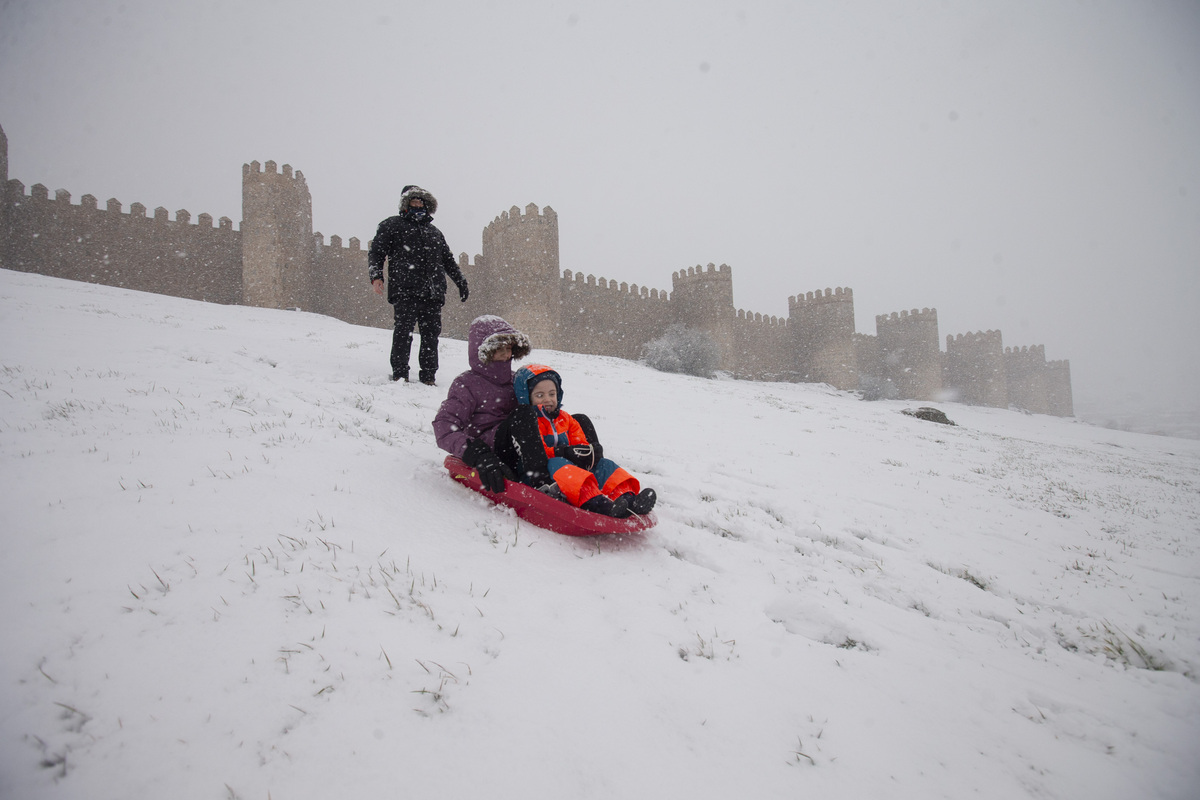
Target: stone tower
[278, 250]
[975, 369]
[1058, 388]
[910, 352]
[520, 274]
[703, 299]
[1026, 367]
[823, 335]
[5, 202]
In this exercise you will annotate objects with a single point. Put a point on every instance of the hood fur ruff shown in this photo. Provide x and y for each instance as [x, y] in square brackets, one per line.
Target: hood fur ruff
[416, 191]
[517, 341]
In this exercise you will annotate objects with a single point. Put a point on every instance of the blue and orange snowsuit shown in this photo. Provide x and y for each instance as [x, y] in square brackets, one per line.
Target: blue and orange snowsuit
[578, 485]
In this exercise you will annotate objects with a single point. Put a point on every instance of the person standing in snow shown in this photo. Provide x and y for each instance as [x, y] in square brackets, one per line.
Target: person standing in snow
[418, 261]
[561, 454]
[481, 400]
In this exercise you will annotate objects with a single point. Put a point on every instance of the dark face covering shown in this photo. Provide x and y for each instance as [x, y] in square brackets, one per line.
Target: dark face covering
[417, 214]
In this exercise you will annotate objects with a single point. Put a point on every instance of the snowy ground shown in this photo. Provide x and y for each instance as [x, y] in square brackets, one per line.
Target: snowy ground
[234, 567]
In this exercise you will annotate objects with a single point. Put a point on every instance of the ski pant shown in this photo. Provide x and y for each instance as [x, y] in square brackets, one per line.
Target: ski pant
[428, 319]
[519, 445]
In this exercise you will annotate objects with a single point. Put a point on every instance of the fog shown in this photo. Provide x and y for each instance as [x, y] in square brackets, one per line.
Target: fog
[1020, 166]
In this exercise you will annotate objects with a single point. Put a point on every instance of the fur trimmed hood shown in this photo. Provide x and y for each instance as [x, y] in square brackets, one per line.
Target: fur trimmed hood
[516, 341]
[488, 334]
[412, 191]
[482, 397]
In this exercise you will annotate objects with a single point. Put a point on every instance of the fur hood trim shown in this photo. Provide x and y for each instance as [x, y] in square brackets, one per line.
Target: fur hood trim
[487, 334]
[517, 342]
[416, 191]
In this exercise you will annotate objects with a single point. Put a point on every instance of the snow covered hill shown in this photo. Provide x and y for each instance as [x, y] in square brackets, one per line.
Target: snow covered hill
[234, 567]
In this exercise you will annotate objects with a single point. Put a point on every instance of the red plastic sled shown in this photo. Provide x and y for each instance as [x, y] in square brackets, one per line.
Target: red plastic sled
[546, 512]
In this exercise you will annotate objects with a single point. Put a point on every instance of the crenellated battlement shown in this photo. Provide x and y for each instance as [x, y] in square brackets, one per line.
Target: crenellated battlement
[989, 337]
[513, 217]
[698, 275]
[270, 171]
[1034, 350]
[754, 318]
[38, 193]
[335, 242]
[577, 279]
[925, 315]
[802, 300]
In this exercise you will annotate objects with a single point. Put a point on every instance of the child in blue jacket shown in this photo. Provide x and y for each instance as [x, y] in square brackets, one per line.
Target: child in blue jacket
[563, 452]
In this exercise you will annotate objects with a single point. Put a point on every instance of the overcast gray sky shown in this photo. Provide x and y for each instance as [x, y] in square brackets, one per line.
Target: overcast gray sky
[1027, 165]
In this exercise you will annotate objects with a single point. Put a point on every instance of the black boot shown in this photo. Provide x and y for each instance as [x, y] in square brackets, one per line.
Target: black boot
[609, 508]
[620, 508]
[642, 503]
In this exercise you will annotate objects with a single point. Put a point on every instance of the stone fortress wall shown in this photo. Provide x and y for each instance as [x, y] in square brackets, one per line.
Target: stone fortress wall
[274, 259]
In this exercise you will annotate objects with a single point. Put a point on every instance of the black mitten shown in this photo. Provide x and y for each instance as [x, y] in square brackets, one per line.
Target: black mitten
[589, 431]
[581, 455]
[485, 462]
[463, 291]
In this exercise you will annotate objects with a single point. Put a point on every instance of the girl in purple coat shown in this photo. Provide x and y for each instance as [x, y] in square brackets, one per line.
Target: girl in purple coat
[481, 399]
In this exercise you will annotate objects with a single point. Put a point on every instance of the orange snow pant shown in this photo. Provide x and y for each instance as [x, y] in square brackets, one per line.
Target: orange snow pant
[579, 485]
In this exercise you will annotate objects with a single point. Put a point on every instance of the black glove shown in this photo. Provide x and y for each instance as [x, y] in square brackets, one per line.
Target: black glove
[581, 455]
[485, 462]
[463, 291]
[584, 455]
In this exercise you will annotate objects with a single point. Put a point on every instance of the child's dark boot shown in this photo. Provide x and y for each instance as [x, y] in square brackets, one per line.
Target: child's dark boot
[602, 505]
[643, 502]
[621, 507]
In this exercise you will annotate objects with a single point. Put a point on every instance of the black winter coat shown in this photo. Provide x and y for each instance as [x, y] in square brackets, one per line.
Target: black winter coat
[418, 261]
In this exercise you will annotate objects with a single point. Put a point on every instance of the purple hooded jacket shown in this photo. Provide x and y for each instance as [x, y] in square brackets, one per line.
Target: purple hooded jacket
[482, 397]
